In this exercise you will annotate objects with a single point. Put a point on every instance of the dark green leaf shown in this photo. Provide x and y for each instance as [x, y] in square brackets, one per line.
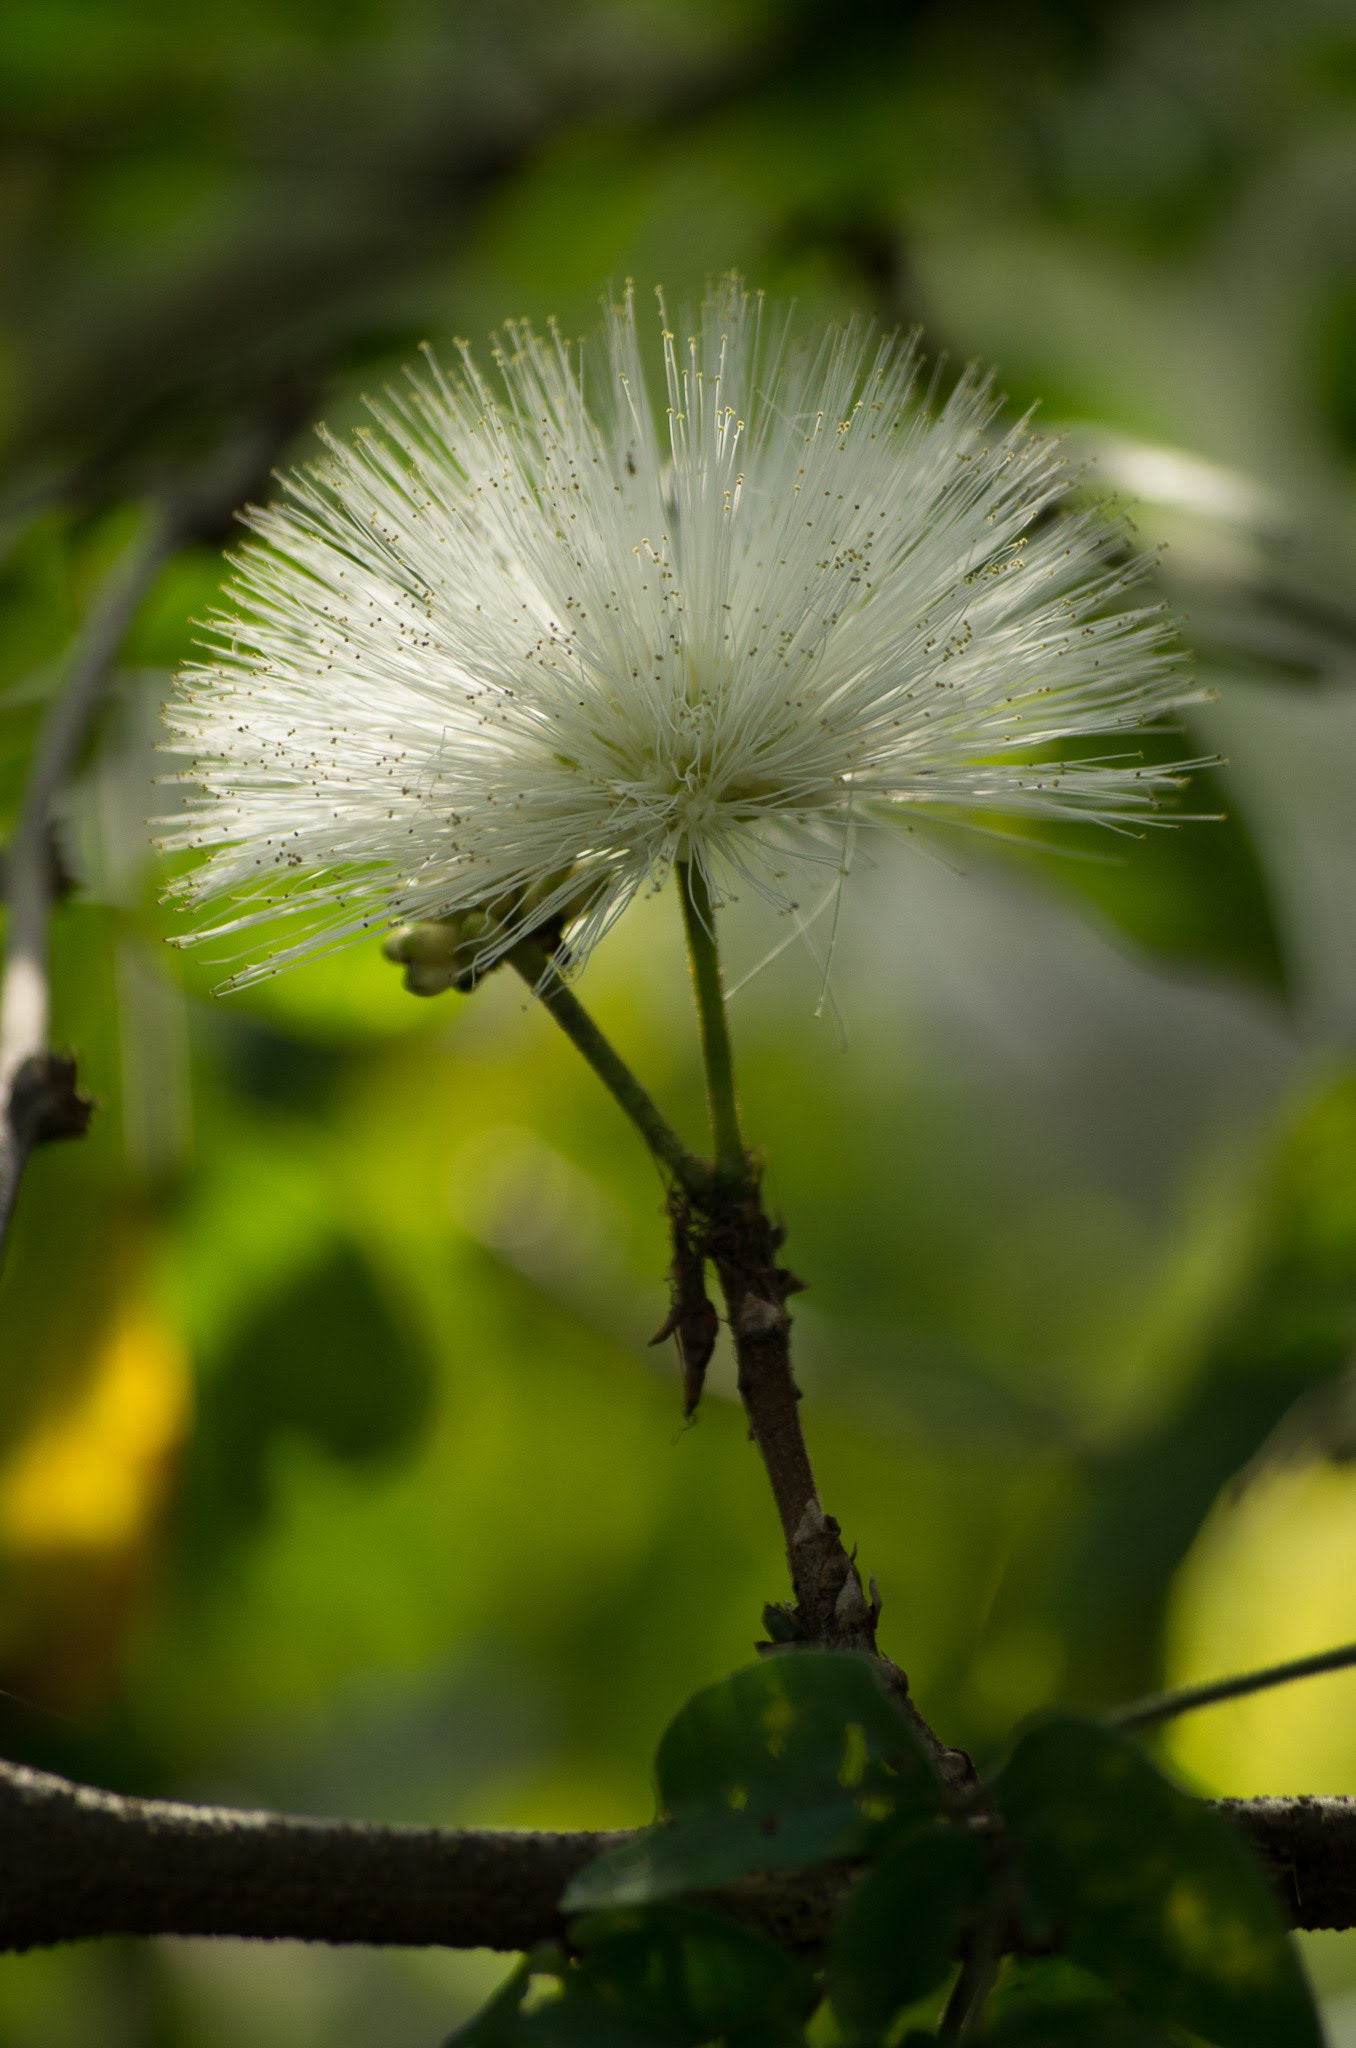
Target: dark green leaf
[1044, 1981]
[791, 1760]
[808, 1725]
[1272, 1368]
[687, 1969]
[575, 2020]
[676, 1977]
[329, 1359]
[901, 1927]
[1149, 1889]
[1195, 894]
[1095, 2025]
[1042, 2000]
[544, 2005]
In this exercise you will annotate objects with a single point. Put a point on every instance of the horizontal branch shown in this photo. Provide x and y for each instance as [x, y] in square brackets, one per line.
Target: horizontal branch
[81, 1863]
[1308, 1849]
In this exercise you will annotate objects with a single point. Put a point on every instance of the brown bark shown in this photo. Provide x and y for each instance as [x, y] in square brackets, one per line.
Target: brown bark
[79, 1863]
[742, 1243]
[1308, 1850]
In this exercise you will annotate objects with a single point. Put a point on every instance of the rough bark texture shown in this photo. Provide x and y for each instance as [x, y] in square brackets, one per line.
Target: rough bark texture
[1308, 1850]
[742, 1243]
[80, 1863]
[832, 1608]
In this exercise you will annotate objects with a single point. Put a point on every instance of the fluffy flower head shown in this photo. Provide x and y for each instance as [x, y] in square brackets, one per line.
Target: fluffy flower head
[533, 636]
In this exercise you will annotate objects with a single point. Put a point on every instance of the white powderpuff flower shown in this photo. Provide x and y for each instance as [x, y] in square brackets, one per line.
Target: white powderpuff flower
[532, 637]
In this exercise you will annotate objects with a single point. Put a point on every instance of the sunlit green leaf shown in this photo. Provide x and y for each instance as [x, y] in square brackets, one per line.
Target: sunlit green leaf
[794, 1759]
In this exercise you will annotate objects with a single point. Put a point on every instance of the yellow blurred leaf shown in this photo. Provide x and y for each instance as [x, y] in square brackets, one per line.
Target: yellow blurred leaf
[92, 1476]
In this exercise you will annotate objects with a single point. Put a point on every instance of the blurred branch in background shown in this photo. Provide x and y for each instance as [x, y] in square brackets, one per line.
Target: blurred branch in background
[1167, 1706]
[348, 176]
[39, 1100]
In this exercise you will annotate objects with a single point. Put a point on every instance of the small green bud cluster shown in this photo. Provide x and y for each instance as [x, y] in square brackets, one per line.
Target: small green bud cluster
[458, 951]
[439, 953]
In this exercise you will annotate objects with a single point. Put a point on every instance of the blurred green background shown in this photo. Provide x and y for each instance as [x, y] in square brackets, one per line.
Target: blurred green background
[335, 1472]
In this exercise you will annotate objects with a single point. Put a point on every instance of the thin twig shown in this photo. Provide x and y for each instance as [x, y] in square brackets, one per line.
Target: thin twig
[743, 1245]
[723, 1220]
[37, 1088]
[539, 971]
[736, 1234]
[699, 922]
[81, 1863]
[1166, 1706]
[978, 1974]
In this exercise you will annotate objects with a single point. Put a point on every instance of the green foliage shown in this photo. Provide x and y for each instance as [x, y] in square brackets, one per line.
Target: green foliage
[800, 1757]
[1153, 1911]
[328, 1361]
[1188, 892]
[932, 1882]
[670, 1977]
[1075, 2026]
[1337, 365]
[1056, 1303]
[1149, 1890]
[1269, 1375]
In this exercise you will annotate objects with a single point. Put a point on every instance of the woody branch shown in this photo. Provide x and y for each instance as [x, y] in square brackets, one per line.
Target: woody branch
[82, 1863]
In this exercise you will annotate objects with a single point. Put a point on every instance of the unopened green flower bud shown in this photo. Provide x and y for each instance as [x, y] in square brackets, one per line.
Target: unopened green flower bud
[439, 953]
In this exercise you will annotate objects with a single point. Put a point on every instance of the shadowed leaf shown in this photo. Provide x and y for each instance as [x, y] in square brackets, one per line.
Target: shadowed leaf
[901, 1927]
[1147, 1888]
